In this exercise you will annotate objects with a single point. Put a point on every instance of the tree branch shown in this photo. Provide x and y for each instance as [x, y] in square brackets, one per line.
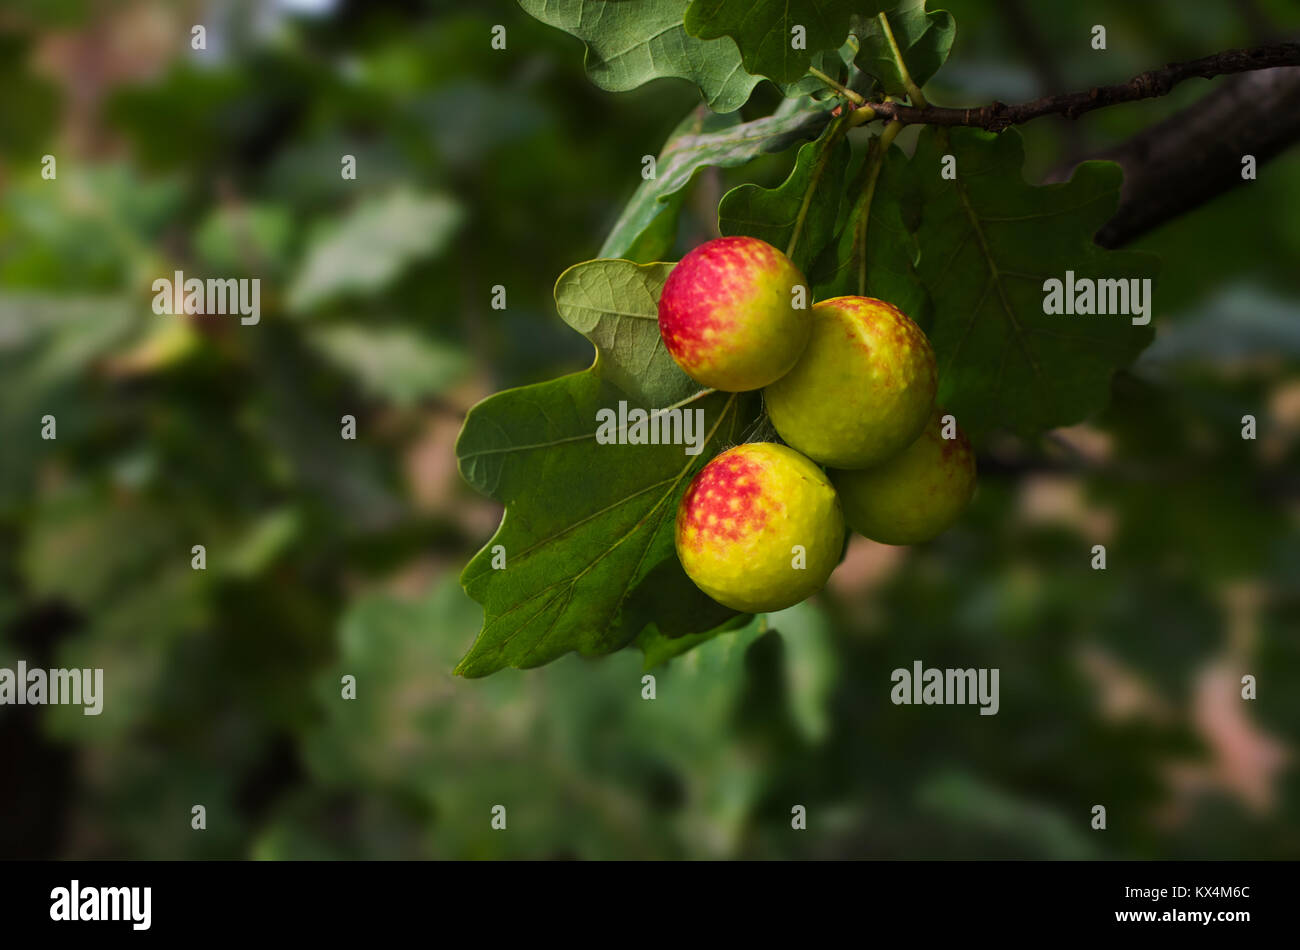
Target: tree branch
[1154, 82]
[1195, 155]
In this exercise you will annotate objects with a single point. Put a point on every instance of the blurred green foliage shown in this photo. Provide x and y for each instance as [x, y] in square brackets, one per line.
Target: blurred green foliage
[329, 558]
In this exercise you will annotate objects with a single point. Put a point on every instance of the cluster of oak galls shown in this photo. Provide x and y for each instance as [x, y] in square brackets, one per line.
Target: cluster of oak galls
[849, 385]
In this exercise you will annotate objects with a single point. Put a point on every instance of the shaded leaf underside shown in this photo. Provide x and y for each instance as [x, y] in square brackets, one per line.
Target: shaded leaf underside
[630, 42]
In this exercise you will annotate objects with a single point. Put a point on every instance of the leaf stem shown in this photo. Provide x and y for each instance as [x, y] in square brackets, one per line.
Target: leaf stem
[839, 87]
[839, 127]
[913, 90]
[874, 161]
[687, 401]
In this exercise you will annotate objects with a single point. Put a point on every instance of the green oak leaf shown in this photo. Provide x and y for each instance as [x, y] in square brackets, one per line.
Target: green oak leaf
[647, 227]
[615, 304]
[807, 202]
[588, 529]
[875, 254]
[630, 42]
[989, 242]
[585, 523]
[763, 30]
[924, 38]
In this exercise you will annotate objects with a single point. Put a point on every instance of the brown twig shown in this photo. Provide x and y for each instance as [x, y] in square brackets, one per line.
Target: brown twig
[1021, 24]
[1154, 82]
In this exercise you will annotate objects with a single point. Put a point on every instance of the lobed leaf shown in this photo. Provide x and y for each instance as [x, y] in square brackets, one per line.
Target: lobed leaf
[800, 214]
[615, 304]
[630, 42]
[988, 242]
[764, 30]
[924, 39]
[587, 534]
[585, 523]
